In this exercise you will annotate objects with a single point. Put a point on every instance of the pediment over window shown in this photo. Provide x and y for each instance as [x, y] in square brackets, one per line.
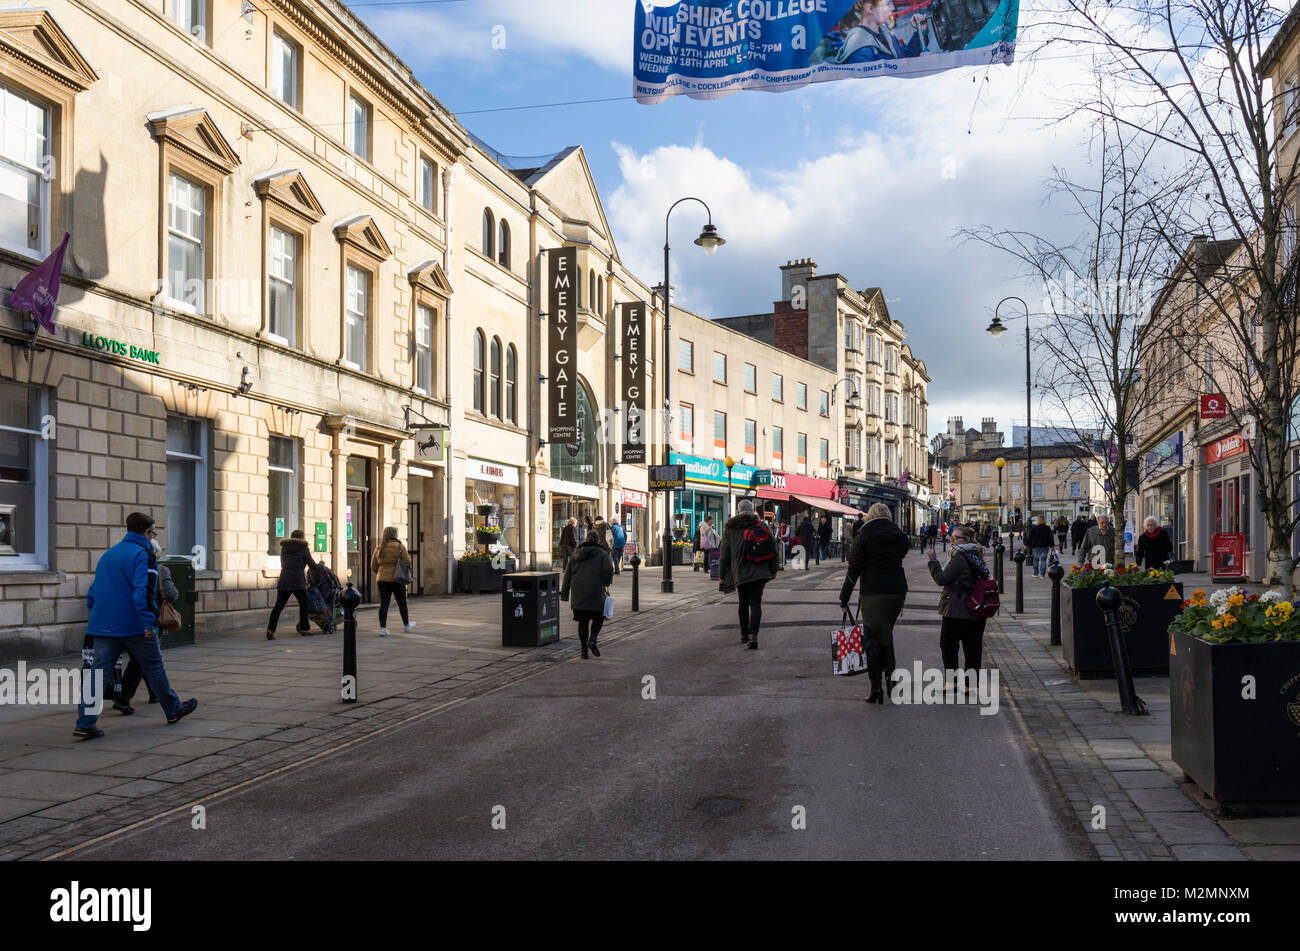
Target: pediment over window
[192, 131]
[34, 37]
[289, 189]
[429, 275]
[363, 234]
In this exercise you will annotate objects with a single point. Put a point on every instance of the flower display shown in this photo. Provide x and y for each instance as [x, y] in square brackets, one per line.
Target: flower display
[489, 529]
[1096, 576]
[1236, 615]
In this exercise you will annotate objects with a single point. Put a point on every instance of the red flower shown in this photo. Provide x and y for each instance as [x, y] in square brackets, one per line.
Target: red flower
[1253, 597]
[1187, 603]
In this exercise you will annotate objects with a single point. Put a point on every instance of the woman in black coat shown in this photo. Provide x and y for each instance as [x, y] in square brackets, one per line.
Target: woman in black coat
[877, 559]
[295, 559]
[1153, 546]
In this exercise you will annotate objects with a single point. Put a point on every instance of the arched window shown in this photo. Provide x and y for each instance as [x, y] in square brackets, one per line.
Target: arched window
[600, 296]
[489, 232]
[591, 298]
[503, 245]
[579, 461]
[512, 379]
[495, 392]
[480, 347]
[577, 288]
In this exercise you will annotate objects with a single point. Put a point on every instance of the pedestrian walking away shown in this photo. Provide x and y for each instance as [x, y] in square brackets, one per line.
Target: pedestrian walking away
[295, 559]
[123, 603]
[806, 535]
[1154, 548]
[876, 566]
[391, 566]
[1061, 528]
[568, 542]
[586, 585]
[1077, 530]
[960, 628]
[824, 536]
[746, 563]
[1039, 540]
[618, 539]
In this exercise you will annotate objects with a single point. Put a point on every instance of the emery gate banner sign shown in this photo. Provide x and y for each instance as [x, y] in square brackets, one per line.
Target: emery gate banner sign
[707, 49]
[561, 377]
[634, 382]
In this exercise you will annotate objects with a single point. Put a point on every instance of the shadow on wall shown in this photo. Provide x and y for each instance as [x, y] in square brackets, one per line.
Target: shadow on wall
[88, 250]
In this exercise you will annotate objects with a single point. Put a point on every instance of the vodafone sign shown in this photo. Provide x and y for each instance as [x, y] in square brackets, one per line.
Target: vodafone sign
[1225, 448]
[1213, 406]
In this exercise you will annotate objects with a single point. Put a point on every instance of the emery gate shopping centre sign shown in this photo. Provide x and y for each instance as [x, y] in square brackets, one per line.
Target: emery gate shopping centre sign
[707, 49]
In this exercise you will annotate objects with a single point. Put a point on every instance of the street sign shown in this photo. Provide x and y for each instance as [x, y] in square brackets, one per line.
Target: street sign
[322, 536]
[1213, 406]
[431, 444]
[762, 477]
[667, 478]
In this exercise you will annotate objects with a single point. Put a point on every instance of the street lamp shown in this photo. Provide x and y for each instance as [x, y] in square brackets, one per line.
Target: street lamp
[997, 329]
[731, 507]
[710, 241]
[1001, 464]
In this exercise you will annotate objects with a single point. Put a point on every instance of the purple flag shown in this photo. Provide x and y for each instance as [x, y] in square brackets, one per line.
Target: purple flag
[38, 292]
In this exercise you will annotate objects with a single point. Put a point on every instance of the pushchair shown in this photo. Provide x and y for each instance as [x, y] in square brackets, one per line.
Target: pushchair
[323, 590]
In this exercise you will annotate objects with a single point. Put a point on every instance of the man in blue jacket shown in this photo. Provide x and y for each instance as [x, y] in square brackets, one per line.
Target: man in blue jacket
[123, 602]
[617, 541]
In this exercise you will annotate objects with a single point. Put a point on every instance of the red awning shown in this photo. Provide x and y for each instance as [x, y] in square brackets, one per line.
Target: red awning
[827, 505]
[767, 492]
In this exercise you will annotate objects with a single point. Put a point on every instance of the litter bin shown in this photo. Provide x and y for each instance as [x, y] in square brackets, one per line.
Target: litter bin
[182, 572]
[530, 608]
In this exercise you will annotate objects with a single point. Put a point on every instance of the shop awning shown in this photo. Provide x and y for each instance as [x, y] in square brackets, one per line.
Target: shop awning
[827, 505]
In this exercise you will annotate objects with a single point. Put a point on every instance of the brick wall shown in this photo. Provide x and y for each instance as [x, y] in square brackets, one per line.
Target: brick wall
[791, 330]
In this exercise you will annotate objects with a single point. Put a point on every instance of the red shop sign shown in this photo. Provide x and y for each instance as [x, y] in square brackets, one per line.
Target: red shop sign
[1225, 448]
[1213, 406]
[634, 498]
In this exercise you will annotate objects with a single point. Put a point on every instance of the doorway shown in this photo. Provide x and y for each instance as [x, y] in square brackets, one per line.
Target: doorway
[358, 529]
[416, 547]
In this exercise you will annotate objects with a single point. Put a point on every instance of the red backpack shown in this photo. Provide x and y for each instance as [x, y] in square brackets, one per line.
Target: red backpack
[984, 600]
[759, 546]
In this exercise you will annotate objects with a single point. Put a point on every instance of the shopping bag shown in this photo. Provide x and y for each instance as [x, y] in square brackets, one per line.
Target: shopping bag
[848, 647]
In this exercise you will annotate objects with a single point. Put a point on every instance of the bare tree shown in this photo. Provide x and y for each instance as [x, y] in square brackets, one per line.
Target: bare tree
[1097, 289]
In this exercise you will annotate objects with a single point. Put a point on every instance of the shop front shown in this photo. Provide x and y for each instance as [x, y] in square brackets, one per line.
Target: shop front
[706, 493]
[632, 514]
[575, 477]
[492, 505]
[791, 496]
[1164, 496]
[1229, 504]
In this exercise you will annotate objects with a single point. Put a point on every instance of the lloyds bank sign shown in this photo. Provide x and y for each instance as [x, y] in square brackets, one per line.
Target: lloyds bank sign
[120, 348]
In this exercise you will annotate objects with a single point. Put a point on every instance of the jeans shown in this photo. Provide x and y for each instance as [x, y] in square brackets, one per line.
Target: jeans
[589, 625]
[967, 633]
[145, 652]
[751, 606]
[391, 589]
[1040, 561]
[617, 555]
[281, 599]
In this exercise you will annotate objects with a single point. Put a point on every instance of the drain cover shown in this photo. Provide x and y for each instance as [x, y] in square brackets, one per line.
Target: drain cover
[719, 807]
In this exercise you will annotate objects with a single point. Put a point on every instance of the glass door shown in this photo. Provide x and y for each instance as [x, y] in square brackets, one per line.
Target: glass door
[357, 525]
[416, 547]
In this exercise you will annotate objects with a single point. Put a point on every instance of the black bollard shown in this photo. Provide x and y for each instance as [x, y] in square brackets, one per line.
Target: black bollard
[1109, 600]
[1019, 558]
[636, 583]
[997, 565]
[1056, 573]
[817, 546]
[350, 599]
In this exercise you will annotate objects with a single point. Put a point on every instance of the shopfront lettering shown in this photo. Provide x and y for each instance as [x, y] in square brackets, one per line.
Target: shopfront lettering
[563, 422]
[120, 348]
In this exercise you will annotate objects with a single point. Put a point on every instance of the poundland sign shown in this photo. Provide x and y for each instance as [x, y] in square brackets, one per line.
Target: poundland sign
[118, 348]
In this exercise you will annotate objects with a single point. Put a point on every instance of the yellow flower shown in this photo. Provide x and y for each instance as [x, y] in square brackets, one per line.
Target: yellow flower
[1199, 599]
[1236, 601]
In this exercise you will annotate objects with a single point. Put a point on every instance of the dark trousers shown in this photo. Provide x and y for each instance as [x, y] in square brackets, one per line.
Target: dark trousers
[281, 599]
[589, 625]
[617, 555]
[966, 633]
[391, 589]
[751, 606]
[145, 652]
[131, 678]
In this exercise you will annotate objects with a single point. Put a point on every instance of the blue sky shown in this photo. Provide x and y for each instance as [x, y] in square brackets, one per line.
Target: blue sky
[869, 177]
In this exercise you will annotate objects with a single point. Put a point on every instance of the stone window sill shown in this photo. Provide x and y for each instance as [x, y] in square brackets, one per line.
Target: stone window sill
[36, 576]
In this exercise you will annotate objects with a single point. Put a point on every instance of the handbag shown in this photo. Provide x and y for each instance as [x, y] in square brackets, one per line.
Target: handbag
[848, 647]
[609, 607]
[402, 574]
[169, 619]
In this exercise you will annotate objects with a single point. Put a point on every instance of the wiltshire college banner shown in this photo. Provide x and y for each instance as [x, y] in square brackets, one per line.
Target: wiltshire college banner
[707, 49]
[633, 395]
[561, 376]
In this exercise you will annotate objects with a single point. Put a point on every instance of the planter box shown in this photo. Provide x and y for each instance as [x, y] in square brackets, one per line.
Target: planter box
[486, 538]
[477, 577]
[1147, 612]
[1244, 753]
[683, 556]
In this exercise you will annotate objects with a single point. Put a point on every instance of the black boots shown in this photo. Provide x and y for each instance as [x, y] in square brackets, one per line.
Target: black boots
[880, 670]
[591, 646]
[744, 638]
[753, 641]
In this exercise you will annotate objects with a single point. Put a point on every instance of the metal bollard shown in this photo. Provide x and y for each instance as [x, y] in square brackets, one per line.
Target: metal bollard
[350, 599]
[1055, 572]
[1019, 558]
[817, 546]
[1109, 600]
[636, 583]
[997, 565]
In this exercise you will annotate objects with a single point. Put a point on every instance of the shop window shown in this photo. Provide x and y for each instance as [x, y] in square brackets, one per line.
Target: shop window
[24, 477]
[480, 356]
[359, 127]
[285, 491]
[424, 349]
[494, 390]
[427, 191]
[187, 488]
[489, 233]
[286, 66]
[512, 384]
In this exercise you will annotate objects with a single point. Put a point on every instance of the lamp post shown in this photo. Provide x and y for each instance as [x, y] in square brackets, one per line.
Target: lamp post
[710, 241]
[997, 328]
[1001, 464]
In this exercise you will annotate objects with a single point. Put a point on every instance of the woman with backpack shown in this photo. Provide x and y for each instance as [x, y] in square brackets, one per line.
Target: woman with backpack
[960, 578]
[391, 564]
[877, 558]
[746, 563]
